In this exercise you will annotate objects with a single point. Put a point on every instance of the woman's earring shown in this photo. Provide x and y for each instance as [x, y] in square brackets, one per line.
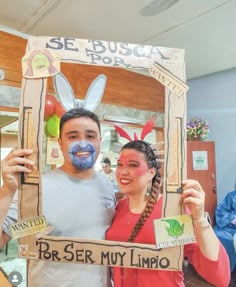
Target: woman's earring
[148, 192]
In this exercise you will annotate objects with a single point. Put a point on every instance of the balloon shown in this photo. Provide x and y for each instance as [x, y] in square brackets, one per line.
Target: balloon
[53, 124]
[50, 105]
[59, 110]
[47, 134]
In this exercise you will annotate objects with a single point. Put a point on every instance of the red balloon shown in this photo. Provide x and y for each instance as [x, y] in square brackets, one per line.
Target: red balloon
[50, 106]
[59, 110]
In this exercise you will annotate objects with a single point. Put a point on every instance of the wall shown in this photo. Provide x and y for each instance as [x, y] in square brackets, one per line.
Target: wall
[213, 98]
[126, 94]
[8, 140]
[123, 87]
[12, 49]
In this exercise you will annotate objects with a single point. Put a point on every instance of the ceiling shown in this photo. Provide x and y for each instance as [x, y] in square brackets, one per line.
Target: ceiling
[205, 29]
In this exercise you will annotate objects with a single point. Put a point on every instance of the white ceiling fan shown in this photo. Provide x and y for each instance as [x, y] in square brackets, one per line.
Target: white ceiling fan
[156, 7]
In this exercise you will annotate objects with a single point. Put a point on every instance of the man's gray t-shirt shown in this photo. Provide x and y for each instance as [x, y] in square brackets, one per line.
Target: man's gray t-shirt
[75, 208]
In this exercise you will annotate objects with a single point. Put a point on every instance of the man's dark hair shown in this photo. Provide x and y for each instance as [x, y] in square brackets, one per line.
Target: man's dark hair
[106, 160]
[79, 113]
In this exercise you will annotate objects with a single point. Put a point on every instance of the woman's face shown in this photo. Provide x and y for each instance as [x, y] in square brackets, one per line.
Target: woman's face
[133, 174]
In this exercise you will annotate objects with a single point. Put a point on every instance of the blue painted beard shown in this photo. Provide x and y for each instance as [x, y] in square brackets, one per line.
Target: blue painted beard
[82, 154]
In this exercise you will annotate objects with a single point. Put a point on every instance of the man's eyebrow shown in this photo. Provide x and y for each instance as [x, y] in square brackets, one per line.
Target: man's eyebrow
[91, 131]
[77, 132]
[72, 132]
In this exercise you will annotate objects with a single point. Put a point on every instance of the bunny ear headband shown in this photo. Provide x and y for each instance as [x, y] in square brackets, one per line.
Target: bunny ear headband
[66, 95]
[145, 131]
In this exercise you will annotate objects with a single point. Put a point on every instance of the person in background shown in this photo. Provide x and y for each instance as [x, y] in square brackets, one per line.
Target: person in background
[107, 170]
[225, 225]
[67, 192]
[138, 177]
[111, 175]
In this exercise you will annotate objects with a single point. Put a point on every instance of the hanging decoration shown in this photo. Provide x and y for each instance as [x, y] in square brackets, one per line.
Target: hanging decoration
[50, 106]
[53, 126]
[53, 111]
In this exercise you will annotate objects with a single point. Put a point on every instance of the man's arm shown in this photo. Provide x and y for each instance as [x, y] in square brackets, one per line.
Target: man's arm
[4, 239]
[14, 163]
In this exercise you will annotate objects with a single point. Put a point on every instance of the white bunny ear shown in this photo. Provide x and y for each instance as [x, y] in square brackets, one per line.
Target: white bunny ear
[64, 91]
[94, 94]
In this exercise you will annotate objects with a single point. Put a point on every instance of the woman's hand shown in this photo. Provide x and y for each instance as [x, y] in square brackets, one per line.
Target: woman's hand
[193, 197]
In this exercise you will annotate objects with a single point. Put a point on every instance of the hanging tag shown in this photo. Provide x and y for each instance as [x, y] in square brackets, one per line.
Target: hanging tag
[174, 231]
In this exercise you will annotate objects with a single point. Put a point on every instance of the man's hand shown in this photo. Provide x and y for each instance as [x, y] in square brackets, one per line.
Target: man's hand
[13, 164]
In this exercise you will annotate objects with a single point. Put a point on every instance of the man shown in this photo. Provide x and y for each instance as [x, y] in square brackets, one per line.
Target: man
[108, 171]
[76, 200]
[111, 175]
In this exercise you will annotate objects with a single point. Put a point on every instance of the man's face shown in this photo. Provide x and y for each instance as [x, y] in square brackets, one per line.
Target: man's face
[77, 130]
[106, 167]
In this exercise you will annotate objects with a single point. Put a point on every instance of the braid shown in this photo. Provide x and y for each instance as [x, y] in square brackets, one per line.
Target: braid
[150, 156]
[145, 214]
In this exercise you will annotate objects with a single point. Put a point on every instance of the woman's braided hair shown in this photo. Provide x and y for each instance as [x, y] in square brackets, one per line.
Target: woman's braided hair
[151, 159]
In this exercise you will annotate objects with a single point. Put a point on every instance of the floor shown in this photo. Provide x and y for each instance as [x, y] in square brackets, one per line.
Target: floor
[192, 279]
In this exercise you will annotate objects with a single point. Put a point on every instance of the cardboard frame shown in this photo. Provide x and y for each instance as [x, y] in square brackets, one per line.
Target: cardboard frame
[166, 65]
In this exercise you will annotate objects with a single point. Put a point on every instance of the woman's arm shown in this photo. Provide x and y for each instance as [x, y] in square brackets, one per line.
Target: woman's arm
[215, 272]
[193, 198]
[208, 255]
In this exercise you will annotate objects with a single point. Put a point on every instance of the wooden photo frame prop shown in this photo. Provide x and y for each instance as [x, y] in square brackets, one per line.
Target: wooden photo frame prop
[164, 64]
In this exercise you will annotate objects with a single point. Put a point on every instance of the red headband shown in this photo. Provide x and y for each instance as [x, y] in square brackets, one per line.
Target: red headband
[146, 130]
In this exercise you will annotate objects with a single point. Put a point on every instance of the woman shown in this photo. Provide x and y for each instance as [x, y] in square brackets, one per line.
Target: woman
[138, 176]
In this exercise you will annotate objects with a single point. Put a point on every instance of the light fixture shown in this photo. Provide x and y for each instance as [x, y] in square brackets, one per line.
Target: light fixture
[122, 119]
[110, 142]
[156, 7]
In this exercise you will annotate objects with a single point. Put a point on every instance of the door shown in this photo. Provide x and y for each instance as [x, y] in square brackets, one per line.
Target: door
[201, 166]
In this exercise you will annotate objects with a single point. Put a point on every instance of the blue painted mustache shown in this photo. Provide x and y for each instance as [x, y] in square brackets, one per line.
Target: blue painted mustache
[82, 154]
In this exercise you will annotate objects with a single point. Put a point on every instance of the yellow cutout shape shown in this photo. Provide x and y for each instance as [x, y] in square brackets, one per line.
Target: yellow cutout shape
[28, 226]
[24, 252]
[168, 79]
